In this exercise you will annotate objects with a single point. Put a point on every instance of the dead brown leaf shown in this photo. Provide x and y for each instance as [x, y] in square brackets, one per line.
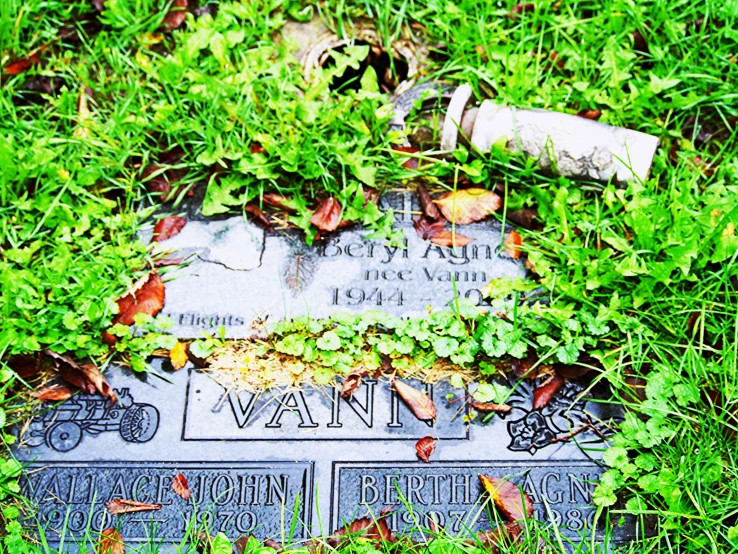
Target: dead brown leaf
[489, 407]
[594, 115]
[25, 365]
[411, 162]
[258, 216]
[167, 227]
[543, 394]
[512, 502]
[427, 206]
[53, 393]
[110, 542]
[468, 205]
[178, 355]
[176, 15]
[146, 297]
[271, 543]
[276, 201]
[181, 486]
[427, 228]
[526, 218]
[513, 242]
[369, 528]
[86, 377]
[420, 403]
[522, 7]
[121, 506]
[501, 535]
[450, 239]
[328, 215]
[425, 447]
[352, 382]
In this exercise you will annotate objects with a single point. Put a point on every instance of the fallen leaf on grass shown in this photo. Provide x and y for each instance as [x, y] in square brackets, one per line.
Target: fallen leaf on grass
[110, 542]
[522, 7]
[420, 403]
[178, 355]
[500, 535]
[328, 215]
[640, 44]
[543, 394]
[181, 486]
[276, 201]
[19, 66]
[167, 227]
[121, 506]
[176, 15]
[425, 447]
[489, 407]
[25, 365]
[259, 217]
[513, 242]
[468, 205]
[450, 239]
[53, 393]
[427, 228]
[146, 297]
[86, 377]
[594, 115]
[241, 543]
[512, 502]
[411, 162]
[369, 528]
[427, 206]
[352, 382]
[526, 218]
[271, 543]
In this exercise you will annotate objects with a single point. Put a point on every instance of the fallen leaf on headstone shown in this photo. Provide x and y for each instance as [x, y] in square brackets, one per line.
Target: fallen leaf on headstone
[121, 506]
[352, 382]
[543, 394]
[178, 355]
[450, 239]
[502, 534]
[369, 528]
[594, 115]
[53, 393]
[468, 205]
[489, 407]
[513, 241]
[419, 402]
[259, 217]
[167, 227]
[110, 542]
[425, 448]
[86, 377]
[427, 206]
[271, 543]
[146, 297]
[176, 15]
[427, 228]
[181, 486]
[328, 215]
[512, 502]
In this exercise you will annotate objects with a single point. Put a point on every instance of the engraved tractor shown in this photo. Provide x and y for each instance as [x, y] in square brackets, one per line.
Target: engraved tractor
[62, 428]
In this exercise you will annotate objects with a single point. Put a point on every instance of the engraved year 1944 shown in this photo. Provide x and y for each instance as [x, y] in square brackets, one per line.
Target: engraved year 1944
[356, 296]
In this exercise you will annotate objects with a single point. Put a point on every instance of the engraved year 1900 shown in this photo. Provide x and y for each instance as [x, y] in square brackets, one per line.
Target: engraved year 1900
[356, 296]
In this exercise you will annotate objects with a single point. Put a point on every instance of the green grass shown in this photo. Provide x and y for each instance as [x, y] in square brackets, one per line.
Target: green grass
[642, 279]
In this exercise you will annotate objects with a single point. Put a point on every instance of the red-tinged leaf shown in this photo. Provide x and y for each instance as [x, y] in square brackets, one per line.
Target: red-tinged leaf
[271, 543]
[258, 216]
[277, 201]
[522, 7]
[164, 262]
[420, 404]
[557, 60]
[18, 66]
[489, 407]
[368, 528]
[523, 367]
[468, 205]
[512, 502]
[370, 195]
[410, 163]
[25, 365]
[146, 297]
[427, 206]
[513, 242]
[328, 215]
[352, 382]
[178, 355]
[110, 542]
[181, 486]
[543, 394]
[427, 228]
[450, 239]
[502, 535]
[594, 115]
[168, 227]
[53, 393]
[86, 377]
[257, 148]
[425, 447]
[122, 506]
[176, 15]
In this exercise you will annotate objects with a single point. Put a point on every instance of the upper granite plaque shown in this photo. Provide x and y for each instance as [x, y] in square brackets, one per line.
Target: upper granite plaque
[240, 274]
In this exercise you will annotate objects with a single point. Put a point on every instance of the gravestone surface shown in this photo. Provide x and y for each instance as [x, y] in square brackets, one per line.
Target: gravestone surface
[257, 462]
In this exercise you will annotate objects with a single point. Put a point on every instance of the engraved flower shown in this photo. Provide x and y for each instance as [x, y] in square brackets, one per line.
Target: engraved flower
[530, 433]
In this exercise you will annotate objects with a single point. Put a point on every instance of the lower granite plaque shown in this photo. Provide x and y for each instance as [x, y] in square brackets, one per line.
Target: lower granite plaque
[235, 498]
